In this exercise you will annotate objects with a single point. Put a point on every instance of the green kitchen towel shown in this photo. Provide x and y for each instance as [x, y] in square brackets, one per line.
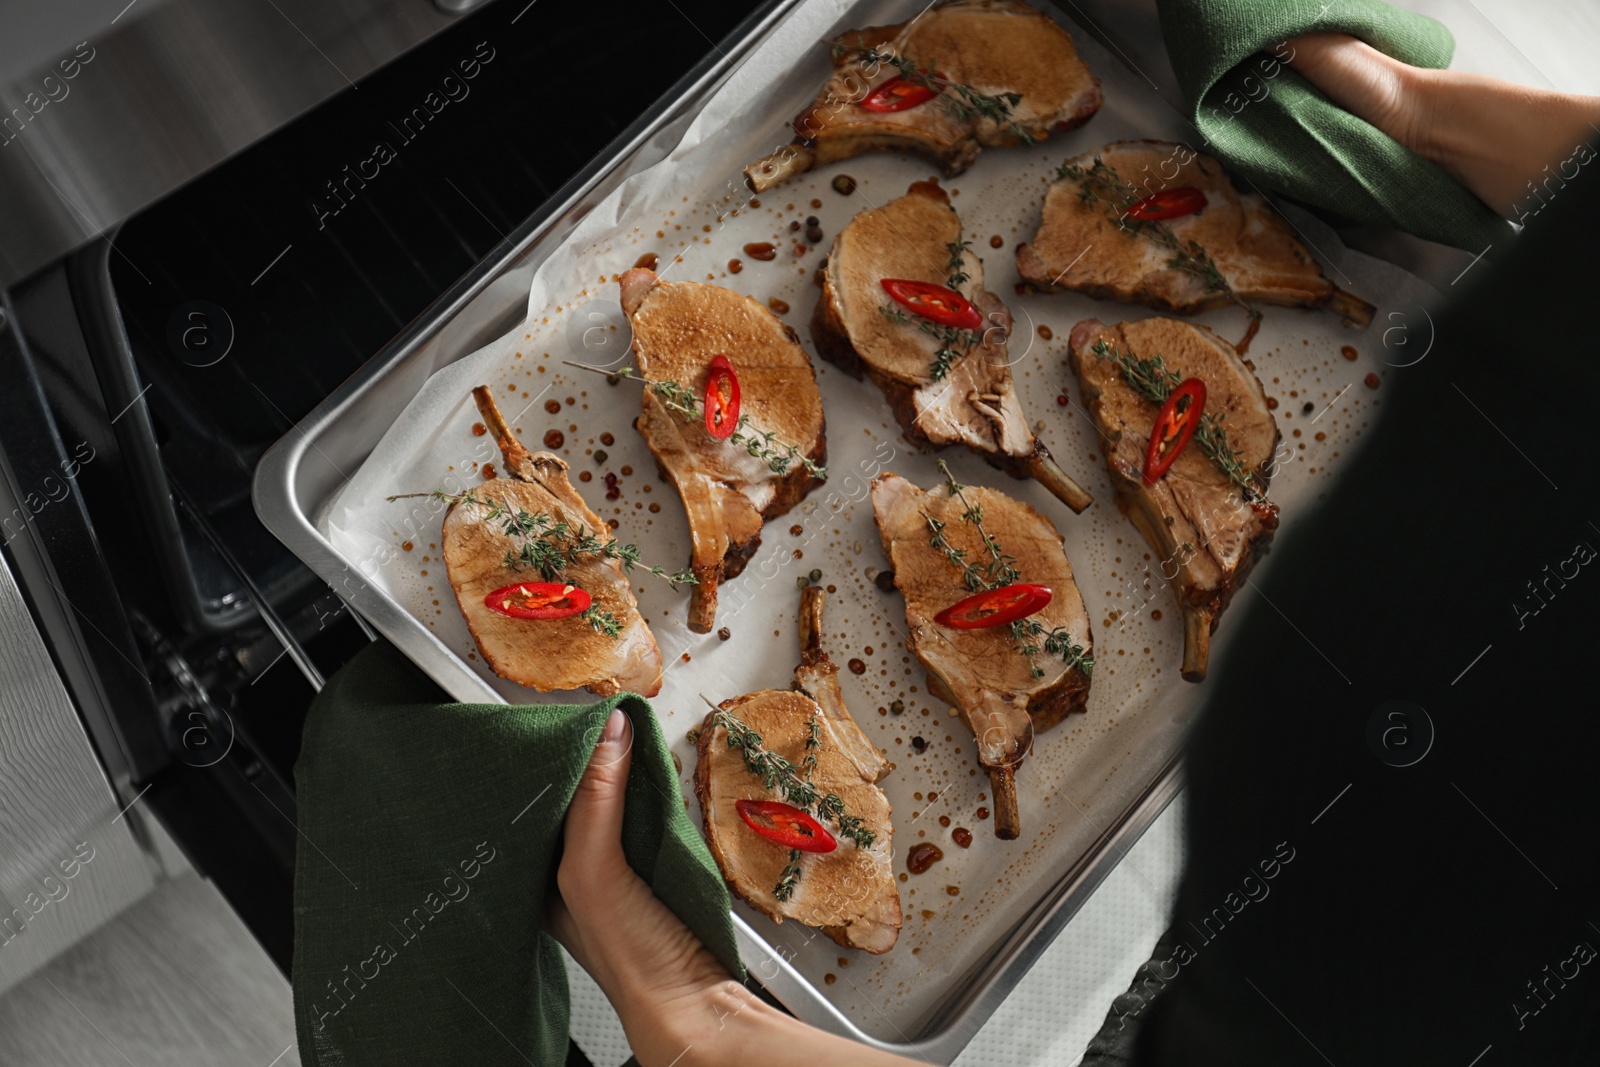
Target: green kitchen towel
[1271, 126]
[429, 836]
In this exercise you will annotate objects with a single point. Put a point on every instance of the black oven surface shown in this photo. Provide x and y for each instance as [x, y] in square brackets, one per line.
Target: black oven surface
[173, 353]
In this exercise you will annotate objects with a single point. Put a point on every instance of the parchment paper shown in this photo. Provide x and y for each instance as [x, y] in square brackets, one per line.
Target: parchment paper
[1082, 775]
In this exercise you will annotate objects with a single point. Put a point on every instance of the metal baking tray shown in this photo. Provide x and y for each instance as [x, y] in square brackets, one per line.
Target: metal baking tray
[299, 474]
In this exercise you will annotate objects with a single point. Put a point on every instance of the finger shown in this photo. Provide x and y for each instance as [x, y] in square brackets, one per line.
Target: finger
[593, 839]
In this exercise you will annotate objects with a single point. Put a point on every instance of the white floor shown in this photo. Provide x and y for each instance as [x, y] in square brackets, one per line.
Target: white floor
[175, 980]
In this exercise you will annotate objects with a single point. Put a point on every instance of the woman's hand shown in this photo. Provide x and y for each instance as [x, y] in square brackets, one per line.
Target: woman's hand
[1493, 136]
[655, 972]
[678, 1005]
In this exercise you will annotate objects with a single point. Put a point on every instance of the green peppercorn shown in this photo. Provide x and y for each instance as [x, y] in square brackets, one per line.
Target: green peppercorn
[815, 576]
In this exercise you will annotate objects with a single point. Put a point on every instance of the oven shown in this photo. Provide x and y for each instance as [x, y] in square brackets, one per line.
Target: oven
[153, 351]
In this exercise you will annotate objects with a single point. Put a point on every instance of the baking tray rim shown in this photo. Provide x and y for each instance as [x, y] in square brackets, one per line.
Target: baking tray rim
[286, 497]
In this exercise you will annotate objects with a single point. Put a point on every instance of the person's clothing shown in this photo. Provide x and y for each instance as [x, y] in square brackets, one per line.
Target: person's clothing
[1337, 907]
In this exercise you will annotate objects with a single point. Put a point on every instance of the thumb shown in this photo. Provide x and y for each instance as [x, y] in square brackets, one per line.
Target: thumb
[593, 838]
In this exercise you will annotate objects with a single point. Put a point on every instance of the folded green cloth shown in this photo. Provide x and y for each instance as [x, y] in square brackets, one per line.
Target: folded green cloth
[430, 833]
[1270, 125]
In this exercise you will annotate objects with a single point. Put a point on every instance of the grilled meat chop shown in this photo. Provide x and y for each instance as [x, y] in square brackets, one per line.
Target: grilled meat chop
[545, 654]
[979, 671]
[850, 892]
[991, 47]
[727, 491]
[1087, 243]
[975, 402]
[1205, 528]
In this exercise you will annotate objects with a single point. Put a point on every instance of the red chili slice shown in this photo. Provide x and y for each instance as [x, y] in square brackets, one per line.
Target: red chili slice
[1179, 418]
[722, 399]
[786, 824]
[901, 94]
[995, 607]
[538, 600]
[1168, 204]
[934, 302]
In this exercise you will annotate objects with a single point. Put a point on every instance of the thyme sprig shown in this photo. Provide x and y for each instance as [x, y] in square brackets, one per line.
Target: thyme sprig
[1152, 379]
[790, 877]
[959, 100]
[1101, 184]
[549, 546]
[1002, 567]
[1001, 570]
[602, 621]
[789, 880]
[762, 444]
[779, 775]
[954, 342]
[1057, 642]
[958, 275]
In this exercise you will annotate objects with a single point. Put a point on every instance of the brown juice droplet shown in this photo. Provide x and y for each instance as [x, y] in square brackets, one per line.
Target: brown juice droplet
[923, 855]
[944, 820]
[780, 307]
[857, 667]
[953, 890]
[1156, 614]
[816, 203]
[983, 813]
[1045, 332]
[553, 406]
[796, 530]
[1249, 335]
[997, 241]
[585, 476]
[1348, 352]
[407, 546]
[735, 266]
[487, 471]
[1272, 403]
[479, 429]
[607, 439]
[961, 836]
[648, 261]
[554, 439]
[761, 250]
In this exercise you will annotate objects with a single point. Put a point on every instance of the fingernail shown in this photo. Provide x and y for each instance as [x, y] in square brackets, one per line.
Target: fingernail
[615, 725]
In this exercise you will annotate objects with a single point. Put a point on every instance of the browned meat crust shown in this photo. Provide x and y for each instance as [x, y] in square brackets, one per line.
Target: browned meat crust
[678, 328]
[994, 46]
[1082, 246]
[850, 893]
[552, 654]
[1206, 530]
[975, 403]
[979, 672]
